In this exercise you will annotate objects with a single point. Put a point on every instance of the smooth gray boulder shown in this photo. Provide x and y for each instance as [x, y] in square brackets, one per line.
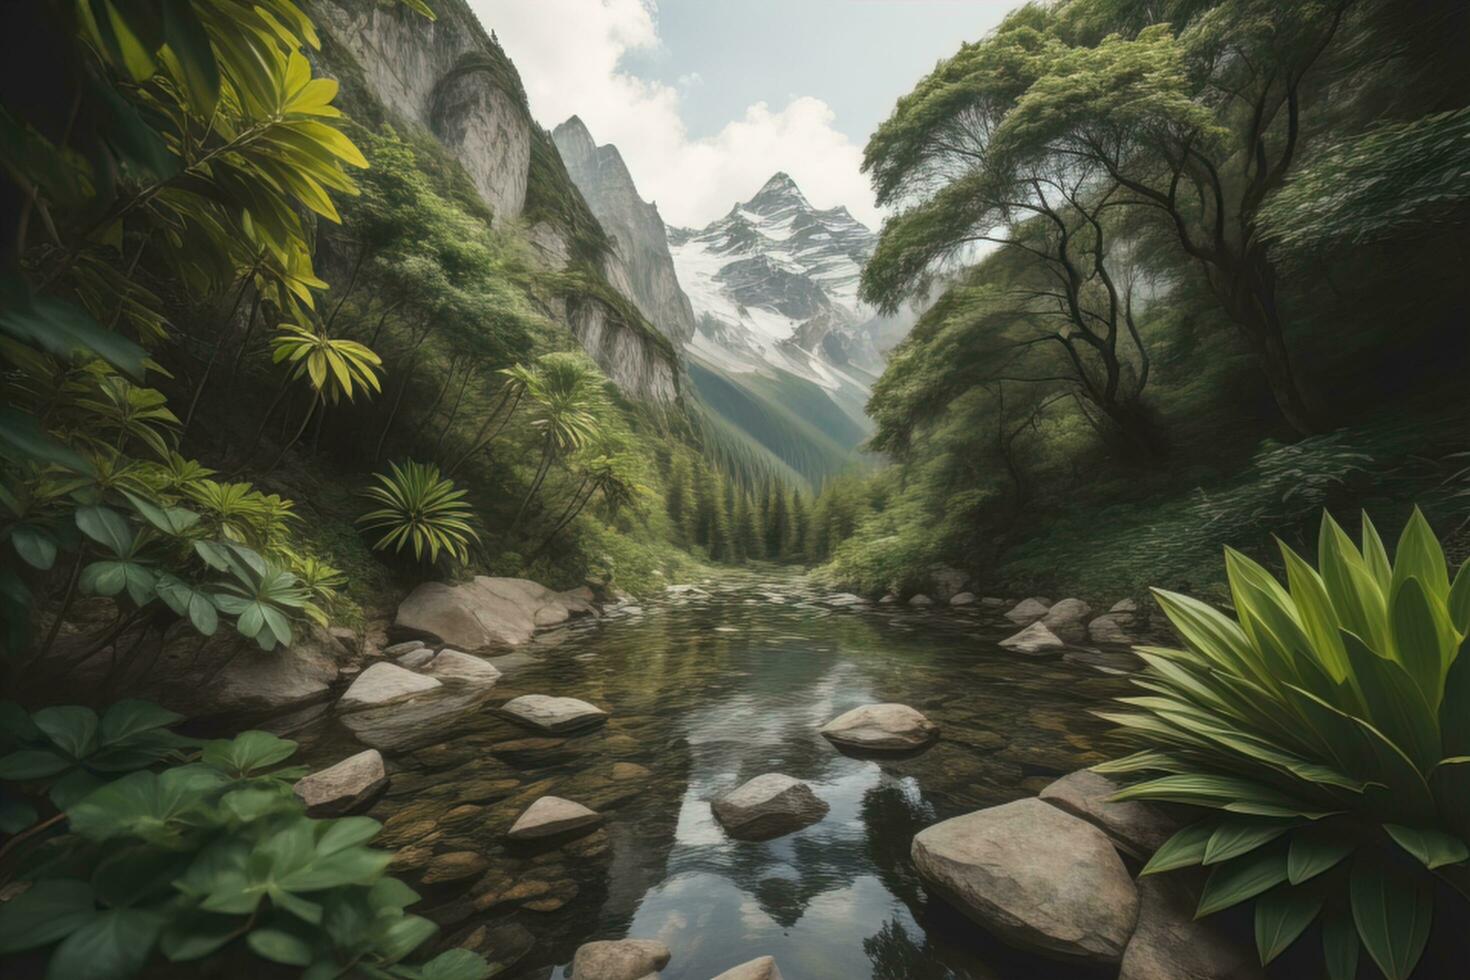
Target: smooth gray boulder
[1068, 619]
[767, 806]
[881, 728]
[1028, 611]
[763, 968]
[485, 612]
[384, 684]
[555, 715]
[1127, 606]
[552, 815]
[1038, 878]
[993, 602]
[1034, 640]
[399, 649]
[1108, 630]
[451, 665]
[962, 599]
[1170, 944]
[1136, 828]
[920, 600]
[888, 599]
[344, 787]
[620, 959]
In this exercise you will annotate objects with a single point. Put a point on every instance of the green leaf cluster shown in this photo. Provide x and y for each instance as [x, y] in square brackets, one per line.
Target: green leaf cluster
[1326, 727]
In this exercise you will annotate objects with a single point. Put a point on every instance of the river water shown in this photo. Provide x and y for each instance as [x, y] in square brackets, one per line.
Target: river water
[705, 692]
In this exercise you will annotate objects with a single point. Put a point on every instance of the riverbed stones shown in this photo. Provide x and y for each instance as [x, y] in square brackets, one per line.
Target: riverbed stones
[881, 728]
[452, 665]
[384, 684]
[1108, 630]
[347, 786]
[620, 959]
[1035, 640]
[552, 815]
[920, 600]
[1028, 611]
[1068, 619]
[625, 771]
[453, 866]
[399, 649]
[1038, 878]
[1136, 828]
[1170, 944]
[552, 714]
[770, 805]
[485, 612]
[962, 599]
[762, 968]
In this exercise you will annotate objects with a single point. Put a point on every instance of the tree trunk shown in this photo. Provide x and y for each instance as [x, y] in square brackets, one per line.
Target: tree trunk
[311, 410]
[214, 354]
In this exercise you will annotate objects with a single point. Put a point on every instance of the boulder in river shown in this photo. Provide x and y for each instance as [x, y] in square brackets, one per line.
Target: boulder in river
[620, 959]
[842, 599]
[962, 599]
[462, 668]
[1108, 630]
[881, 728]
[767, 806]
[1170, 944]
[400, 649]
[384, 684]
[762, 968]
[342, 788]
[485, 612]
[1035, 640]
[1028, 611]
[1135, 827]
[555, 715]
[552, 815]
[1068, 619]
[1038, 878]
[920, 600]
[888, 599]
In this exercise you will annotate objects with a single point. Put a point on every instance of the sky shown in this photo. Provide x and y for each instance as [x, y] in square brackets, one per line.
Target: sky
[707, 98]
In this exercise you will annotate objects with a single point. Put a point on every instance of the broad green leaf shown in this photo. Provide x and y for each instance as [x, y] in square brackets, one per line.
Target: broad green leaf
[1396, 704]
[1340, 946]
[1236, 837]
[1245, 877]
[347, 832]
[74, 787]
[1420, 556]
[1422, 639]
[1282, 914]
[455, 964]
[1433, 848]
[279, 946]
[197, 936]
[125, 719]
[1375, 556]
[36, 547]
[1459, 600]
[247, 752]
[48, 910]
[27, 764]
[1455, 722]
[107, 527]
[1313, 850]
[112, 946]
[1392, 911]
[404, 936]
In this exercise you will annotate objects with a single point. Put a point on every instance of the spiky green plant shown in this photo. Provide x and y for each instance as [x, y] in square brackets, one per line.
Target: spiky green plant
[422, 509]
[1327, 729]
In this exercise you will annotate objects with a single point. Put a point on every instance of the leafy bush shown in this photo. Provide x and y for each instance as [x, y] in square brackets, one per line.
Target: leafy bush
[211, 858]
[420, 508]
[1328, 725]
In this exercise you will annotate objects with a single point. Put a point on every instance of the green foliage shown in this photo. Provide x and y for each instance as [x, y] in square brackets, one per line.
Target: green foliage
[422, 509]
[1325, 727]
[212, 862]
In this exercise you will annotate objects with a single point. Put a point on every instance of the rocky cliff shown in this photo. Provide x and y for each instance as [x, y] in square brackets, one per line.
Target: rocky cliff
[450, 78]
[639, 239]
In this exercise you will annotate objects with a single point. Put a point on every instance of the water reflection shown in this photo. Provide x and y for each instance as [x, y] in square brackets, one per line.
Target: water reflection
[709, 692]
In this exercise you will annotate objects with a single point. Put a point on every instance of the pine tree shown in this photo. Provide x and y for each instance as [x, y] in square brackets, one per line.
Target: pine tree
[746, 533]
[677, 501]
[796, 545]
[777, 525]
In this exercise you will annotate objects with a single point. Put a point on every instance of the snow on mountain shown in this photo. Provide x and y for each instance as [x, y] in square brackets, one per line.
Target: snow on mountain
[774, 285]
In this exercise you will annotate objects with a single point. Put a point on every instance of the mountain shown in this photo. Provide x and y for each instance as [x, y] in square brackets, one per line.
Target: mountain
[639, 241]
[782, 348]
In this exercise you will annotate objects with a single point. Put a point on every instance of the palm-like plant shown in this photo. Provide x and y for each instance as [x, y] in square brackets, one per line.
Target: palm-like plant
[1328, 729]
[565, 392]
[422, 509]
[336, 367]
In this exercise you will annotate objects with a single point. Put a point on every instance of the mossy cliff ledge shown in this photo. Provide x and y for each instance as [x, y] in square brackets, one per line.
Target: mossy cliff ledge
[451, 80]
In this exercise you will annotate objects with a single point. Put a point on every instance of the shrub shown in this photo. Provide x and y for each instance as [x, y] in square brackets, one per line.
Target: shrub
[422, 509]
[1328, 728]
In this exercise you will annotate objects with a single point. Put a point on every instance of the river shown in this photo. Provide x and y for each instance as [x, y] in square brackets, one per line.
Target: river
[705, 692]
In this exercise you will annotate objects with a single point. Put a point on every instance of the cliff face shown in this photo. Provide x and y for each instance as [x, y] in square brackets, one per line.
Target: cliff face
[450, 78]
[640, 241]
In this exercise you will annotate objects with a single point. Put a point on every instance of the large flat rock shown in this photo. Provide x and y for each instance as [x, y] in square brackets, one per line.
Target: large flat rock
[485, 612]
[344, 787]
[767, 806]
[1038, 878]
[1135, 827]
[552, 714]
[1170, 944]
[384, 684]
[881, 728]
[620, 959]
[1028, 611]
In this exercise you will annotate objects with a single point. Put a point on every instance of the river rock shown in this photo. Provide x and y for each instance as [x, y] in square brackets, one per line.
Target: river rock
[920, 600]
[882, 728]
[763, 968]
[1137, 828]
[1036, 877]
[767, 806]
[453, 866]
[1107, 629]
[1125, 606]
[552, 815]
[1028, 611]
[344, 787]
[962, 599]
[1034, 640]
[888, 599]
[1068, 619]
[1170, 944]
[451, 665]
[485, 612]
[399, 649]
[841, 599]
[620, 959]
[993, 602]
[555, 715]
[384, 684]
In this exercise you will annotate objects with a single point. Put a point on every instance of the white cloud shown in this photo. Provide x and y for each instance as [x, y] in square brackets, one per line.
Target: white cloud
[568, 54]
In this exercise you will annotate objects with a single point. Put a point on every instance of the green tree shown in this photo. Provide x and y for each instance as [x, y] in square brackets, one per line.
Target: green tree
[676, 500]
[800, 526]
[778, 526]
[748, 542]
